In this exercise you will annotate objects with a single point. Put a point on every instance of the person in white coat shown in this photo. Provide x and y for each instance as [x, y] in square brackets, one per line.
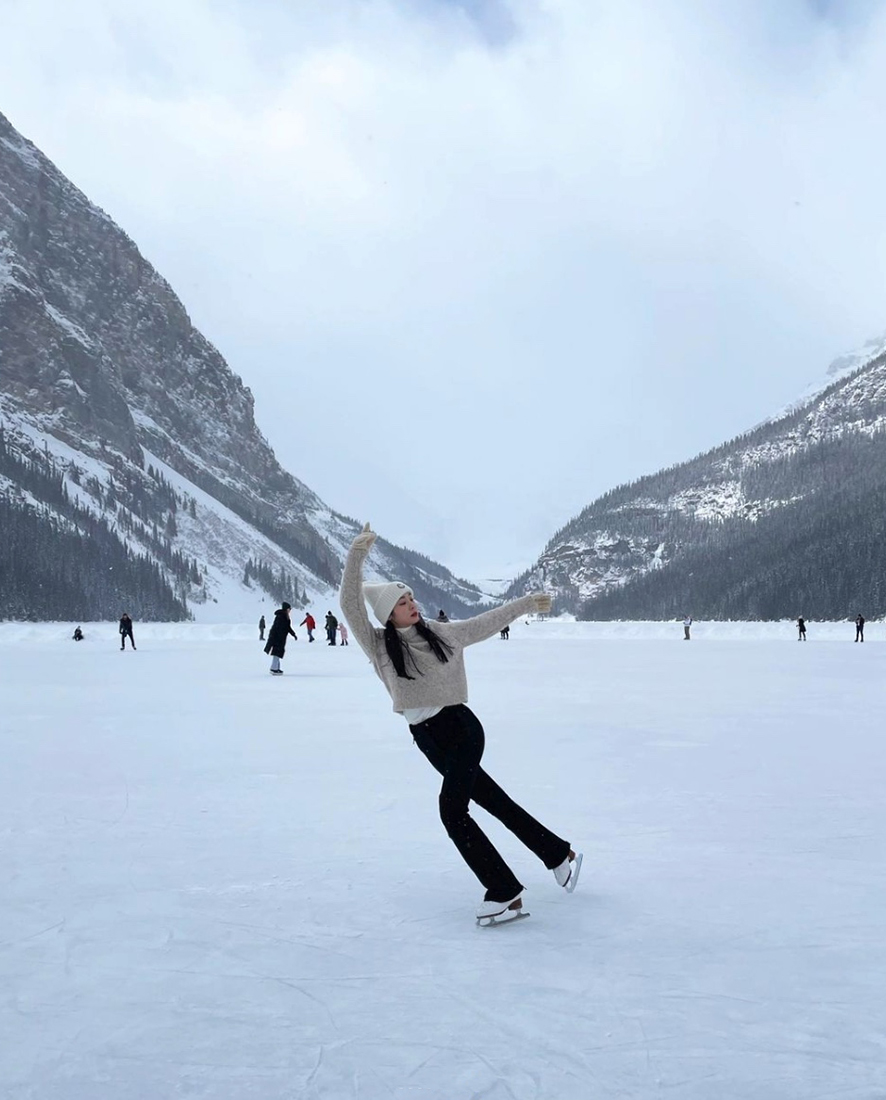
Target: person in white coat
[422, 667]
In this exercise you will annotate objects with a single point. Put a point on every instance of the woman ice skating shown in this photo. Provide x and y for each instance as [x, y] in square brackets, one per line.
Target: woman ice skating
[280, 630]
[422, 667]
[801, 629]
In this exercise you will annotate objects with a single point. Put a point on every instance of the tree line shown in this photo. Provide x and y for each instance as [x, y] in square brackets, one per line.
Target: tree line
[822, 556]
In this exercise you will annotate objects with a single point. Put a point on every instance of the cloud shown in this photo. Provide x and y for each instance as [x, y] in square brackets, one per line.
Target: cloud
[481, 261]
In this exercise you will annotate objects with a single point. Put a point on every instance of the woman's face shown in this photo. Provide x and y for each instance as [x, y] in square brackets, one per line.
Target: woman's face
[405, 612]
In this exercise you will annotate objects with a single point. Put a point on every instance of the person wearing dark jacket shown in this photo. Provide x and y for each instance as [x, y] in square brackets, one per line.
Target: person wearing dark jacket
[801, 628]
[261, 629]
[126, 631]
[859, 627]
[278, 635]
[78, 635]
[331, 627]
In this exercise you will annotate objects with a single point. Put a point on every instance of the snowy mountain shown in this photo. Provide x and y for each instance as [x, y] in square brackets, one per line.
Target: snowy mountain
[839, 369]
[787, 519]
[130, 452]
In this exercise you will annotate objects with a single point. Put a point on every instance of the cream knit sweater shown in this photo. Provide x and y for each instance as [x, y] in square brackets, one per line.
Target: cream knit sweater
[435, 684]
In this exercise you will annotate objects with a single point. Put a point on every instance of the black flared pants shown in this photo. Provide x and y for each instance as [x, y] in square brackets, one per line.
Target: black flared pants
[453, 742]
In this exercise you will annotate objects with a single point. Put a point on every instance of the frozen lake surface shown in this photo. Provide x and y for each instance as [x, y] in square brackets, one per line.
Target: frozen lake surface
[221, 884]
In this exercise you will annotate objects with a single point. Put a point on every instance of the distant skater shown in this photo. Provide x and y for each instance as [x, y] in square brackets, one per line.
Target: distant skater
[859, 627]
[126, 631]
[78, 635]
[506, 632]
[278, 635]
[687, 624]
[801, 630]
[261, 629]
[422, 667]
[442, 617]
[343, 631]
[309, 622]
[331, 627]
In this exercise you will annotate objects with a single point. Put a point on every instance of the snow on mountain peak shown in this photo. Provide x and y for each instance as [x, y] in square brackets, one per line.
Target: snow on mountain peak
[840, 368]
[845, 364]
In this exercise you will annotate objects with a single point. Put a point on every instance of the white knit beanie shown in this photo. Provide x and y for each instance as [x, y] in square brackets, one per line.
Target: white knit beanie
[382, 597]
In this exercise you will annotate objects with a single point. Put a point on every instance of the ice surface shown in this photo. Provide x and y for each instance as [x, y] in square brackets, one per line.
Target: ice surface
[220, 884]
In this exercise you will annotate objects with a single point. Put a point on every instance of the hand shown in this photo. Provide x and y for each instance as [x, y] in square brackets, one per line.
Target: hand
[365, 539]
[542, 602]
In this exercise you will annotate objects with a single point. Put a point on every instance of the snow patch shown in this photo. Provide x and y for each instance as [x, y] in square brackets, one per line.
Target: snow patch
[68, 326]
[23, 151]
[840, 368]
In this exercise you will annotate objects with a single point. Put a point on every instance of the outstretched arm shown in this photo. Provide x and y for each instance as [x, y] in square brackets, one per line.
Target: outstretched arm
[350, 595]
[483, 626]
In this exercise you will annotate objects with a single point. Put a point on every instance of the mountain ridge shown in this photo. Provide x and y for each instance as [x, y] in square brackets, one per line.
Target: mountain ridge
[663, 545]
[103, 375]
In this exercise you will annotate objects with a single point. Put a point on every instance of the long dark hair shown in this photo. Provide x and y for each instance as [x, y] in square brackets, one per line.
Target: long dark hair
[397, 652]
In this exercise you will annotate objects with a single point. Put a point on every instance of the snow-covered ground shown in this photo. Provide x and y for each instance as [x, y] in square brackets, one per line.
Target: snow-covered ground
[219, 884]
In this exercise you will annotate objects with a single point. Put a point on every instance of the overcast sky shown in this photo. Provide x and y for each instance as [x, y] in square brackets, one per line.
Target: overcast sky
[481, 260]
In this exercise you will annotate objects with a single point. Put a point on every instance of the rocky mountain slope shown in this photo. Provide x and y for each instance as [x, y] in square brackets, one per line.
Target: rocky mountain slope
[787, 519]
[123, 424]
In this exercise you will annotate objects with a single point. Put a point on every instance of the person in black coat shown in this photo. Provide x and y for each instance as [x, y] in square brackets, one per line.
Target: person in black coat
[859, 627]
[280, 630]
[331, 627]
[261, 629]
[126, 630]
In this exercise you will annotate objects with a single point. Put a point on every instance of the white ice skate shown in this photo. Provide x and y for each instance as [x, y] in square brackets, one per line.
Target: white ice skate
[568, 871]
[500, 912]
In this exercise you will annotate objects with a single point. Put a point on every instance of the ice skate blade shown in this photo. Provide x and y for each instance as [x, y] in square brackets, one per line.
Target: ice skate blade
[576, 870]
[502, 918]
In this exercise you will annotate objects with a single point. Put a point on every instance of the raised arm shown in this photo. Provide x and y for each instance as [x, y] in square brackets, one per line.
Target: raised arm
[483, 626]
[350, 595]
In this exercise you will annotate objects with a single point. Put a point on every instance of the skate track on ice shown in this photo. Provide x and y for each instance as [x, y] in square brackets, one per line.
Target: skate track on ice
[219, 884]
